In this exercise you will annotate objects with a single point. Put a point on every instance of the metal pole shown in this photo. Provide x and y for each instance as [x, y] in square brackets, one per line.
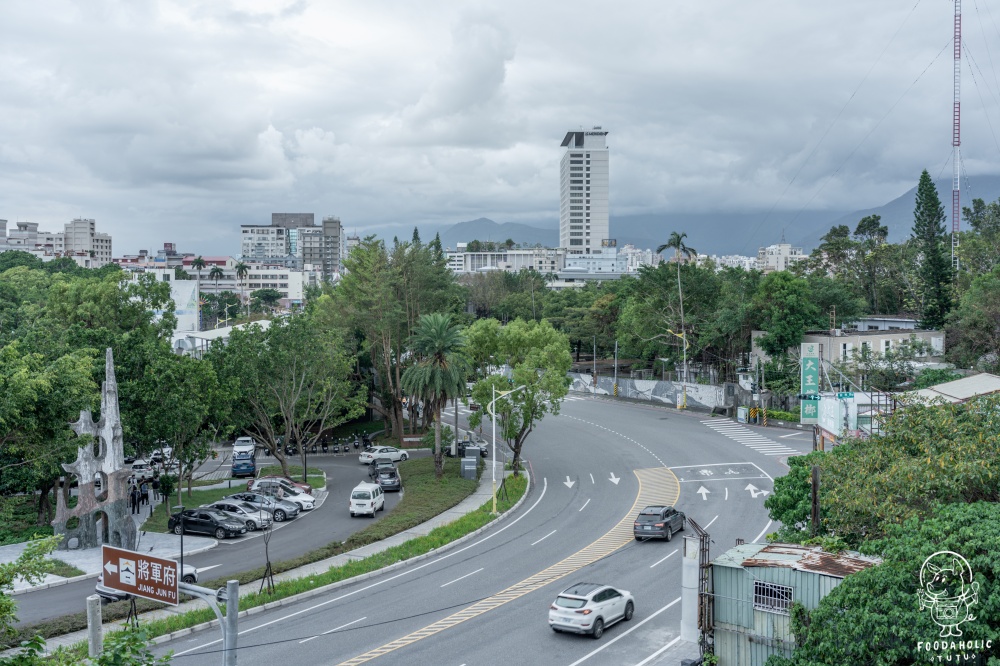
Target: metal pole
[493, 467]
[689, 590]
[232, 620]
[95, 631]
[616, 369]
[305, 468]
[595, 366]
[454, 441]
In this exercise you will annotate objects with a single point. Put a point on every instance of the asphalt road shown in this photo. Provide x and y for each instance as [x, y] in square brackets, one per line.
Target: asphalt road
[310, 530]
[486, 602]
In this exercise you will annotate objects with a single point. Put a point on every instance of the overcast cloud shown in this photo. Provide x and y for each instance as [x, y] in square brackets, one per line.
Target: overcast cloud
[180, 120]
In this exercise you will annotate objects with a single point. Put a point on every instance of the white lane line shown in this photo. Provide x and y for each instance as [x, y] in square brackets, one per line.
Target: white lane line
[623, 634]
[545, 485]
[592, 479]
[330, 631]
[762, 532]
[676, 550]
[710, 523]
[584, 506]
[655, 654]
[782, 453]
[794, 434]
[727, 494]
[545, 537]
[201, 569]
[461, 577]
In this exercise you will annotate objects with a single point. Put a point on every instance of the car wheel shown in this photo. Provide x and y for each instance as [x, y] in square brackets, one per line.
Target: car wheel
[629, 611]
[251, 526]
[598, 628]
[178, 529]
[352, 514]
[220, 533]
[189, 579]
[638, 538]
[670, 533]
[556, 630]
[684, 524]
[403, 457]
[279, 516]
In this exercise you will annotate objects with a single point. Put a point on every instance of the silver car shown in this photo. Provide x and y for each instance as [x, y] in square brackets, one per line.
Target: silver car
[587, 608]
[279, 509]
[255, 519]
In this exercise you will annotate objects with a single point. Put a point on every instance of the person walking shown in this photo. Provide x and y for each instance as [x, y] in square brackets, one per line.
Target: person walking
[156, 487]
[144, 492]
[134, 499]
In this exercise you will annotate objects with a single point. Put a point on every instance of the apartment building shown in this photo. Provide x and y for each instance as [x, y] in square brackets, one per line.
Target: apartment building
[583, 192]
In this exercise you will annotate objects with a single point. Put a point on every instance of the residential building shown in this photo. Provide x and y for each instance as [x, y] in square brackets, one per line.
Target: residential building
[636, 258]
[778, 257]
[583, 192]
[333, 245]
[295, 241]
[609, 261]
[753, 588]
[840, 344]
[350, 243]
[79, 240]
[732, 261]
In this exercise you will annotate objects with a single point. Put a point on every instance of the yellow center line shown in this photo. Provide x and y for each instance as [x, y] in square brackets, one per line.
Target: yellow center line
[659, 484]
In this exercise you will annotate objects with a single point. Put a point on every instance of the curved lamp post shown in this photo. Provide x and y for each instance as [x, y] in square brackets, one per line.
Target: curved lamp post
[684, 402]
[493, 418]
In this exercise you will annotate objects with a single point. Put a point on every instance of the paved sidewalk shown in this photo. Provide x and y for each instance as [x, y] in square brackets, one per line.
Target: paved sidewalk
[483, 493]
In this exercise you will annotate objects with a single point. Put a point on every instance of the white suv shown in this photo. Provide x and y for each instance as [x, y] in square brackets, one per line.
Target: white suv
[244, 445]
[587, 608]
[367, 498]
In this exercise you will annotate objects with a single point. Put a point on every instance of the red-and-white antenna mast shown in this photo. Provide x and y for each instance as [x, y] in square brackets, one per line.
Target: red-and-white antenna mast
[956, 139]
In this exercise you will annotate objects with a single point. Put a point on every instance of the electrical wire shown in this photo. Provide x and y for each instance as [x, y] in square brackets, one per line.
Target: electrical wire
[975, 82]
[989, 54]
[830, 126]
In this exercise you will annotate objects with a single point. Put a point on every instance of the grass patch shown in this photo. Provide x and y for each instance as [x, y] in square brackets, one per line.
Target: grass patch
[60, 568]
[19, 515]
[316, 478]
[516, 487]
[424, 499]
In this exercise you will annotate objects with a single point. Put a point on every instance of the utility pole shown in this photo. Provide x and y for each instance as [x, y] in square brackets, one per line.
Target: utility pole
[595, 366]
[815, 500]
[616, 369]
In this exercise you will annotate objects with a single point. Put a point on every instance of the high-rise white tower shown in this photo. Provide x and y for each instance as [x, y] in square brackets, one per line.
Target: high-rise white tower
[583, 192]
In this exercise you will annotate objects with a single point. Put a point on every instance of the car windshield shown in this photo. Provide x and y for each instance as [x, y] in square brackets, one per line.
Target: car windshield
[570, 602]
[361, 494]
[387, 474]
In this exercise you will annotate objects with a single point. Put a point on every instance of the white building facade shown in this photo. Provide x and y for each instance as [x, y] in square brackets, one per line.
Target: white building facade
[583, 192]
[79, 240]
[778, 257]
[539, 259]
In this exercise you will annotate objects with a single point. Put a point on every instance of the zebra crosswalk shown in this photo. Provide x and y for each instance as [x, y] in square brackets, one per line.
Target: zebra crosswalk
[750, 439]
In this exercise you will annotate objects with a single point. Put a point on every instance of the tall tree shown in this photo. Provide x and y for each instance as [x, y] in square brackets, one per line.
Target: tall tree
[681, 250]
[973, 334]
[934, 262]
[785, 310]
[440, 371]
[538, 358]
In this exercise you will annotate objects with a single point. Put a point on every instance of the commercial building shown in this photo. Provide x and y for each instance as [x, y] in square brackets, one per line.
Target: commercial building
[79, 240]
[295, 241]
[583, 192]
[540, 259]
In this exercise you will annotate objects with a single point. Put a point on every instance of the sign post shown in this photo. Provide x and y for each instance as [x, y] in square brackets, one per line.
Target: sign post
[810, 383]
[140, 574]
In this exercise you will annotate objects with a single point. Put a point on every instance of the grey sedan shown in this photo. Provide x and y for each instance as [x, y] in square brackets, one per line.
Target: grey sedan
[279, 509]
[255, 518]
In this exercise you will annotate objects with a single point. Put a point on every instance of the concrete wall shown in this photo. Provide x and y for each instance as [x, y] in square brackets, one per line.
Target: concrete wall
[699, 396]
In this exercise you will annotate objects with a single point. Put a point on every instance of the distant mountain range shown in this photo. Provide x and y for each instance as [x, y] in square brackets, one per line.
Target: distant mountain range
[722, 233]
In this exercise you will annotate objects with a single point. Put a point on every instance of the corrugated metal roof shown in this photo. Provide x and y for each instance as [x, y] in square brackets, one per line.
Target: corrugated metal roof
[802, 558]
[959, 390]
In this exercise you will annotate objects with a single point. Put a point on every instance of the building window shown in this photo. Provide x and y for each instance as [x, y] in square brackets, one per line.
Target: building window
[771, 598]
[576, 187]
[575, 241]
[886, 346]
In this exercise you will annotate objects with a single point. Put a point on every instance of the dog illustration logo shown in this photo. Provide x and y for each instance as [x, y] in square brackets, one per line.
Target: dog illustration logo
[947, 589]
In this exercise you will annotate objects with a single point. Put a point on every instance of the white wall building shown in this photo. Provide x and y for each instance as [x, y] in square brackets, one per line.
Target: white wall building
[778, 257]
[732, 261]
[635, 258]
[79, 241]
[583, 192]
[607, 262]
[540, 259]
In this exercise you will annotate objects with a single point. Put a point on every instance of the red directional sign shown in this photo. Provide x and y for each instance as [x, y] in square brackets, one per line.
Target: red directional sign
[140, 574]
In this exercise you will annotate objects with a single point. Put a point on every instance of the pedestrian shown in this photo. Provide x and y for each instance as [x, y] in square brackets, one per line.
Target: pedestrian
[134, 499]
[156, 487]
[144, 492]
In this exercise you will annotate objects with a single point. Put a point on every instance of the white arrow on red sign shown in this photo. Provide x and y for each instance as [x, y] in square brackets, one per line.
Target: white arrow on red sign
[111, 568]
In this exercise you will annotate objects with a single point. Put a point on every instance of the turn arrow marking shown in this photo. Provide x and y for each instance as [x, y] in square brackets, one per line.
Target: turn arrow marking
[754, 492]
[111, 568]
[569, 484]
[703, 491]
[614, 479]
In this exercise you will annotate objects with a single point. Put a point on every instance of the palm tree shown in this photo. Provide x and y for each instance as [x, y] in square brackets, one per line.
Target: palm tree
[439, 373]
[676, 242]
[242, 270]
[198, 263]
[215, 274]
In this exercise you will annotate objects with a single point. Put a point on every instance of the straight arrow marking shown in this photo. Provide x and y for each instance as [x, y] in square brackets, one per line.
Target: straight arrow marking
[614, 479]
[569, 484]
[703, 491]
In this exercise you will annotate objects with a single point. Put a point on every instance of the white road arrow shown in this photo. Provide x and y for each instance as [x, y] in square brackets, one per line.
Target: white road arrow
[703, 491]
[754, 492]
[111, 568]
[569, 484]
[614, 479]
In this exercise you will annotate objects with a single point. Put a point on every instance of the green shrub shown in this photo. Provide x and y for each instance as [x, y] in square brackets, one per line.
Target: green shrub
[778, 415]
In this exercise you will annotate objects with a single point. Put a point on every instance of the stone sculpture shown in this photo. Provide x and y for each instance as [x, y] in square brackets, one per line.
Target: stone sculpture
[109, 502]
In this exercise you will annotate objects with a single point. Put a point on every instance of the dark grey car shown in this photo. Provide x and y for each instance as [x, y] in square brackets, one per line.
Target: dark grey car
[658, 522]
[279, 509]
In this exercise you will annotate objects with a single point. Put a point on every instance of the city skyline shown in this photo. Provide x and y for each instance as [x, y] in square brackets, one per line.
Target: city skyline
[181, 120]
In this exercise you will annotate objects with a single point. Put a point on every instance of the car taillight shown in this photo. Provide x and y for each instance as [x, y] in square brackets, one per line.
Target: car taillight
[585, 611]
[636, 523]
[553, 607]
[658, 525]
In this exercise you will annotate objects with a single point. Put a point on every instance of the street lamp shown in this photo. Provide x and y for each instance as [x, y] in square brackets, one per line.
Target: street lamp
[180, 507]
[493, 418]
[684, 390]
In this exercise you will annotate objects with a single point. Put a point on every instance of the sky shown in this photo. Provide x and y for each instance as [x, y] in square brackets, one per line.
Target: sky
[179, 120]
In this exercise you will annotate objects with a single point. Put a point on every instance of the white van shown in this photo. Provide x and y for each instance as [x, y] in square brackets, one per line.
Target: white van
[366, 498]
